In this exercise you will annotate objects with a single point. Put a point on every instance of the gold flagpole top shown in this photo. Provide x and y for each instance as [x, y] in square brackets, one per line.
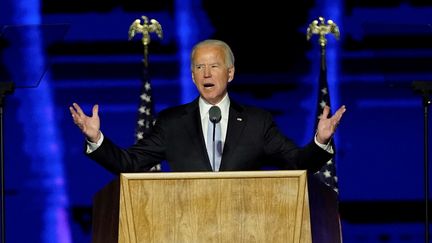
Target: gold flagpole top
[145, 29]
[322, 29]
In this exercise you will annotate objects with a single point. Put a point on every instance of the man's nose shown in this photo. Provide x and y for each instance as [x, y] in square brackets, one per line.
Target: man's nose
[207, 72]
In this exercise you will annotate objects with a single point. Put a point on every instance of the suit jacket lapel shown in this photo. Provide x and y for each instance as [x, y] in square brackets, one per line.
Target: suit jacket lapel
[192, 124]
[236, 123]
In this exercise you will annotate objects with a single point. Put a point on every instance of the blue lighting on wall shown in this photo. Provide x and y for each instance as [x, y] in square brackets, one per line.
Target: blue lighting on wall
[42, 146]
[186, 35]
[333, 9]
[192, 26]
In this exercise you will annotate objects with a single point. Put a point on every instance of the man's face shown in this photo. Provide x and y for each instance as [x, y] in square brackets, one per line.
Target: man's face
[210, 73]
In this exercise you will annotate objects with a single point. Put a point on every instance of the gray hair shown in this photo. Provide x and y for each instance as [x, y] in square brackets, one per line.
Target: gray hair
[229, 56]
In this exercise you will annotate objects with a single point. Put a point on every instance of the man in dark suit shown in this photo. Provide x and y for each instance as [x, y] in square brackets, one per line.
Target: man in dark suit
[249, 138]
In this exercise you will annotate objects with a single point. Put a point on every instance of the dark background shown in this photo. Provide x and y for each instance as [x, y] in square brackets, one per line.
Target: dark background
[383, 48]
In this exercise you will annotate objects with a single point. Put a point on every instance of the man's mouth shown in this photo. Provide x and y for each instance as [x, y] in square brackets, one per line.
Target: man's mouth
[208, 85]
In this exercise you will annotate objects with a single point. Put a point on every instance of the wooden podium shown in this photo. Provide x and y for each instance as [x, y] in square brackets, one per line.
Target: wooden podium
[259, 206]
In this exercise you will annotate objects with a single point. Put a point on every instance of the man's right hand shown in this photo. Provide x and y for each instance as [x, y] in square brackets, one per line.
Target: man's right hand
[89, 125]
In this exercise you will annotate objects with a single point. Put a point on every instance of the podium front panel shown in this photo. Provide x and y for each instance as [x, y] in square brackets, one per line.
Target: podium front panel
[264, 206]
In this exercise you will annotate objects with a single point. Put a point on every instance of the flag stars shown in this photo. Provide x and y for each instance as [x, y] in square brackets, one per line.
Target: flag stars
[145, 97]
[145, 117]
[144, 110]
[327, 174]
[147, 86]
[322, 104]
[147, 124]
[324, 91]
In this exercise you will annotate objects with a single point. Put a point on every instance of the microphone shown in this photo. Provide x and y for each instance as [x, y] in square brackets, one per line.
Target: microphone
[214, 116]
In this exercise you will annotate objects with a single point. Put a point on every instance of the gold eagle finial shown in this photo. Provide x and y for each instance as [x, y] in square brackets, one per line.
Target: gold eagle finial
[322, 29]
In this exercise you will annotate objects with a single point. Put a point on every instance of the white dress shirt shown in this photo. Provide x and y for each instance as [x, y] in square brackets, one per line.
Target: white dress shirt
[223, 105]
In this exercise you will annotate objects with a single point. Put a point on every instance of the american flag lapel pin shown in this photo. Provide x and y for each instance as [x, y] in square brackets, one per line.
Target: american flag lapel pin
[239, 119]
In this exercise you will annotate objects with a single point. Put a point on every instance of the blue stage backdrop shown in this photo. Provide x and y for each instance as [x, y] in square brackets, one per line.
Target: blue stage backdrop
[382, 49]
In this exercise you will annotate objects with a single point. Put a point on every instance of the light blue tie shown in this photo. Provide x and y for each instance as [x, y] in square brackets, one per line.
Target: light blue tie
[216, 146]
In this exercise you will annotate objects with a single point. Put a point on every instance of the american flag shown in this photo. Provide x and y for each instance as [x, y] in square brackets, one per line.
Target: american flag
[327, 174]
[146, 117]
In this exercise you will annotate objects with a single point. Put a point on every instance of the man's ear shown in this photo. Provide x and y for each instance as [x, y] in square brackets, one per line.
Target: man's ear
[193, 78]
[231, 74]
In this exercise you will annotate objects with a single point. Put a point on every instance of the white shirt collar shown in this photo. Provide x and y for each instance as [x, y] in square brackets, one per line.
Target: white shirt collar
[224, 104]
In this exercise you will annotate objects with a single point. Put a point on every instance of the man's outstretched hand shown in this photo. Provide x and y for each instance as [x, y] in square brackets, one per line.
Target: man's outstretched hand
[89, 125]
[327, 126]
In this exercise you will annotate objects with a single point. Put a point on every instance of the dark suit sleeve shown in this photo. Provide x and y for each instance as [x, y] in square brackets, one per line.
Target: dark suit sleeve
[286, 154]
[137, 158]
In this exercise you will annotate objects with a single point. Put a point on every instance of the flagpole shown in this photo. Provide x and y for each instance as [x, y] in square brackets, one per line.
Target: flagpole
[327, 174]
[320, 28]
[146, 107]
[6, 88]
[425, 89]
[145, 29]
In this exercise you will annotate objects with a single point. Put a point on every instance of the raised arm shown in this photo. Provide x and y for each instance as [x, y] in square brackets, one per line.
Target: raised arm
[327, 126]
[89, 125]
